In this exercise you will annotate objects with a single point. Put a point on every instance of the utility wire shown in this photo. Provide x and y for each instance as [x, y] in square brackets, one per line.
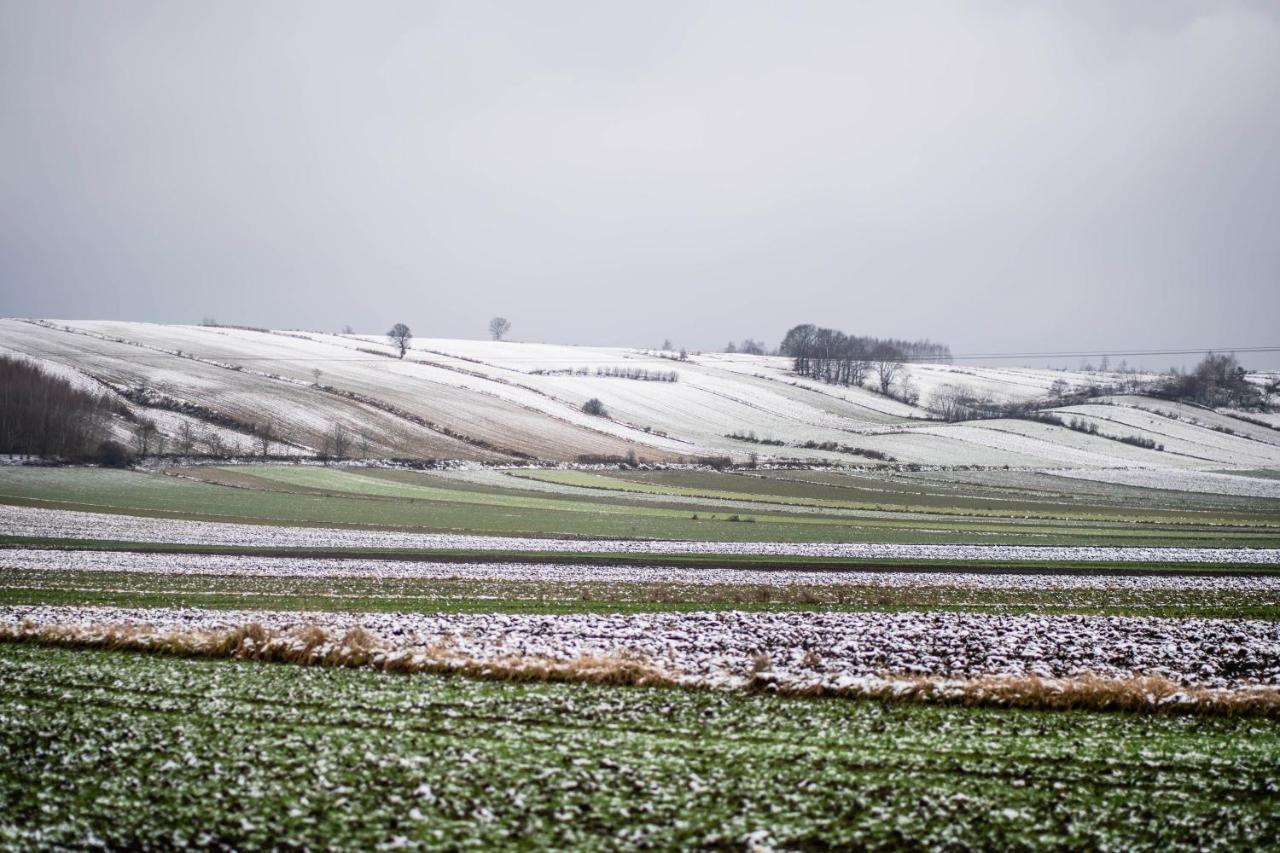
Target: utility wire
[1133, 353]
[1057, 354]
[191, 355]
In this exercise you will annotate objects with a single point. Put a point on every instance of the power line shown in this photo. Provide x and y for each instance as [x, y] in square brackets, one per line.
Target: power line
[1131, 353]
[364, 358]
[192, 356]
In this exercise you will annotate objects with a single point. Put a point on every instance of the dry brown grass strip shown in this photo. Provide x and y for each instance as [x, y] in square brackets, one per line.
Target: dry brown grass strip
[312, 645]
[1143, 694]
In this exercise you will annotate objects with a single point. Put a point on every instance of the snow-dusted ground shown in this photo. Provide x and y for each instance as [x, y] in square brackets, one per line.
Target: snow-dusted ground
[1206, 482]
[1272, 418]
[824, 649]
[1225, 421]
[28, 521]
[50, 560]
[1179, 437]
[1031, 445]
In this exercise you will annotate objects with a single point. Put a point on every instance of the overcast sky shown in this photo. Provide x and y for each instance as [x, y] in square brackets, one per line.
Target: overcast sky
[1002, 176]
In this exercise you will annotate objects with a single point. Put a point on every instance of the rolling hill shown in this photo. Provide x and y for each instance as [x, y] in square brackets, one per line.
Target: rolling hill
[498, 402]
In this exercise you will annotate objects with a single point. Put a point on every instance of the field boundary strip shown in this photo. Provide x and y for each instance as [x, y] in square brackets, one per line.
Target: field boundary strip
[312, 645]
[640, 559]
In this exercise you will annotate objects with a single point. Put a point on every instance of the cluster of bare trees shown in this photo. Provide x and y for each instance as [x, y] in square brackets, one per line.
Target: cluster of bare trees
[340, 442]
[955, 403]
[210, 442]
[45, 415]
[1218, 380]
[832, 356]
[747, 347]
[643, 374]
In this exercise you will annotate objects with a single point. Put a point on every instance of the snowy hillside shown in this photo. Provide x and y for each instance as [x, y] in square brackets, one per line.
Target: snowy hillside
[505, 401]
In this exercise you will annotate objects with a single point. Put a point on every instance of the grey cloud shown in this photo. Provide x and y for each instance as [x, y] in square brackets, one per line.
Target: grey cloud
[1003, 176]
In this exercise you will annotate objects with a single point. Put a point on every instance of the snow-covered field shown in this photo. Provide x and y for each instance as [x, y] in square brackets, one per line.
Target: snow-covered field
[1180, 438]
[727, 649]
[49, 560]
[64, 524]
[1205, 482]
[495, 401]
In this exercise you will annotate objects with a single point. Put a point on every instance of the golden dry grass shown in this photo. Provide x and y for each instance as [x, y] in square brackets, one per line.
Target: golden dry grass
[312, 645]
[1144, 694]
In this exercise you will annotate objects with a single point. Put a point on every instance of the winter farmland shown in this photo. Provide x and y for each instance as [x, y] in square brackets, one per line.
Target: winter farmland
[335, 597]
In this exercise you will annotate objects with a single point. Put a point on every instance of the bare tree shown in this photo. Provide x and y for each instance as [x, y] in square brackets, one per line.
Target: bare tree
[213, 443]
[144, 434]
[400, 337]
[1058, 388]
[347, 330]
[886, 361]
[316, 373]
[498, 328]
[341, 441]
[1270, 391]
[186, 438]
[265, 435]
[948, 401]
[364, 445]
[666, 345]
[907, 390]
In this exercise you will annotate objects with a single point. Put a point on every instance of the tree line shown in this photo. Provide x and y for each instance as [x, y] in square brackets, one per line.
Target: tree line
[1219, 380]
[45, 415]
[832, 356]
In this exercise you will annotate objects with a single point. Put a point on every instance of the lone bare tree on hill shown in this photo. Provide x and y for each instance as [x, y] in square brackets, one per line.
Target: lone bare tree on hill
[498, 328]
[400, 337]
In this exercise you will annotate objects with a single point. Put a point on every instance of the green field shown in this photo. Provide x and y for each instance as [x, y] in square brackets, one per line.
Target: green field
[127, 750]
[699, 506]
[885, 492]
[432, 595]
[139, 751]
